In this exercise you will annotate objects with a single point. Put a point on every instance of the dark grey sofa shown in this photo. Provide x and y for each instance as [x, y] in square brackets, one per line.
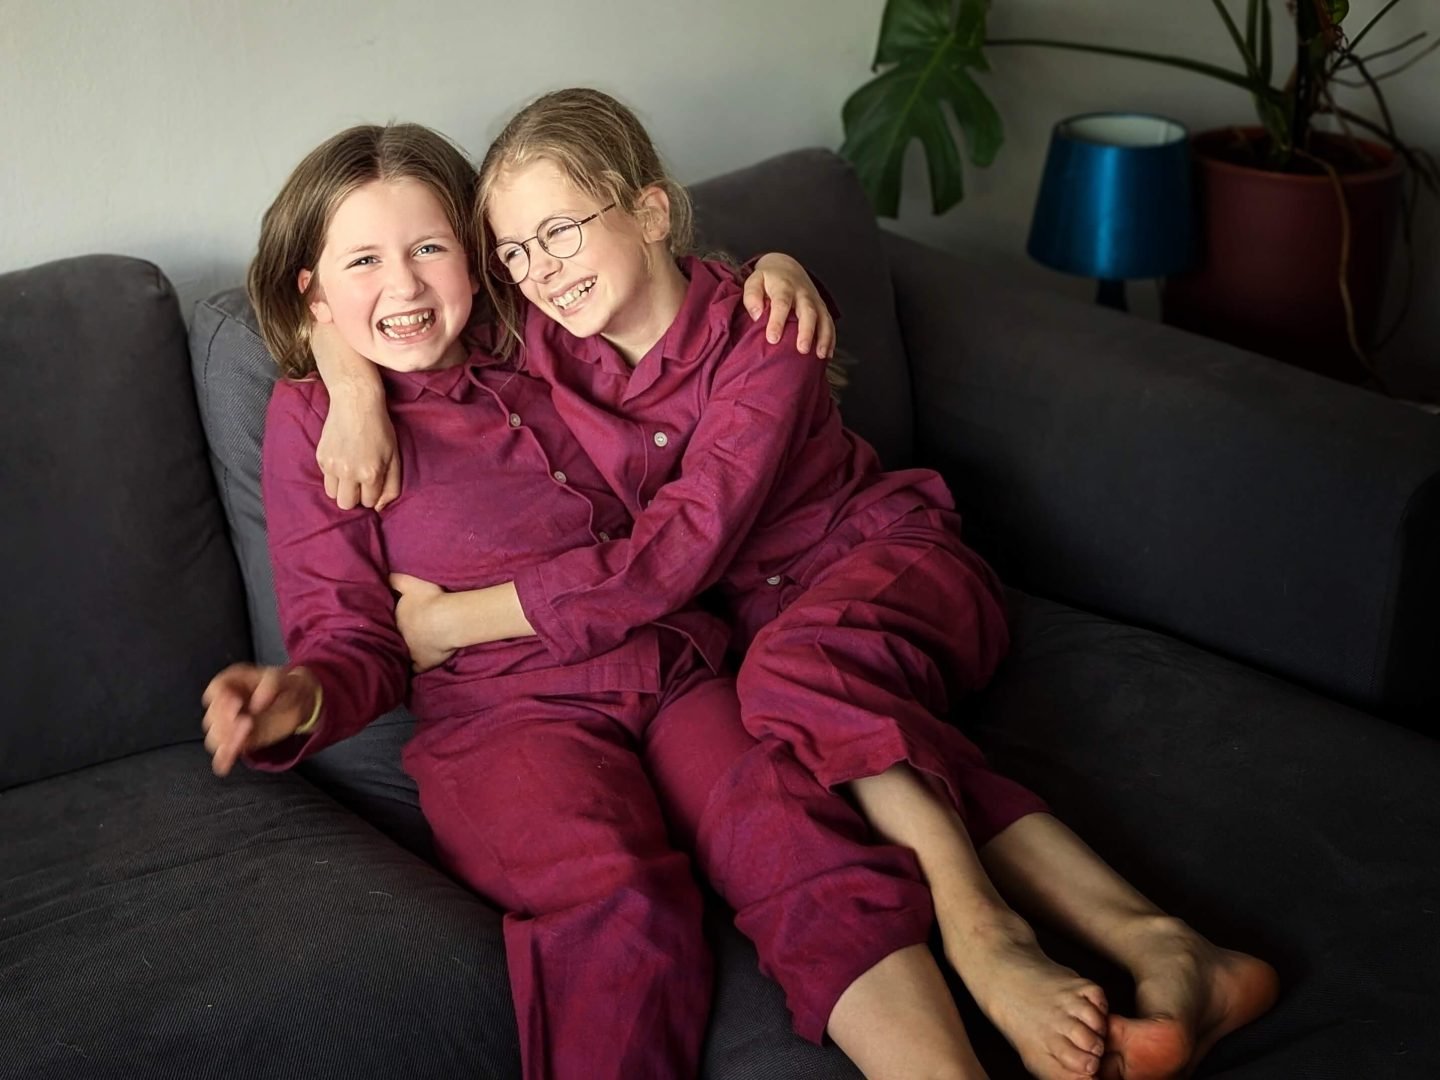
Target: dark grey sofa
[1224, 676]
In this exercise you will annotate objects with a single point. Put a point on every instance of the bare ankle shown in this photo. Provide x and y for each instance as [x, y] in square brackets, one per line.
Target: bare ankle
[1145, 936]
[984, 923]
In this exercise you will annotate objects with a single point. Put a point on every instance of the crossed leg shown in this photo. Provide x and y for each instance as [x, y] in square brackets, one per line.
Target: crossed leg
[1190, 993]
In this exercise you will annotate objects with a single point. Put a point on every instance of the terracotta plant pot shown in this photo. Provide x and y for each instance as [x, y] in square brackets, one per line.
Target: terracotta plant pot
[1269, 278]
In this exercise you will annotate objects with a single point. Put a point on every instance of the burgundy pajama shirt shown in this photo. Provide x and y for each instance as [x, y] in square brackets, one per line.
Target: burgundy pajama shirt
[559, 791]
[862, 610]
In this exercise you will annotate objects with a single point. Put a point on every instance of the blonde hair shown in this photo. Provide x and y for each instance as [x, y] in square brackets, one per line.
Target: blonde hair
[601, 147]
[292, 232]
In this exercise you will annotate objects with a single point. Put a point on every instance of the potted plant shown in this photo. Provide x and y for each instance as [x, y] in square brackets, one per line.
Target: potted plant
[1297, 221]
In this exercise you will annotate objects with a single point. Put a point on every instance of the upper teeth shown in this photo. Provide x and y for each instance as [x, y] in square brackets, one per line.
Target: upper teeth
[574, 294]
[405, 320]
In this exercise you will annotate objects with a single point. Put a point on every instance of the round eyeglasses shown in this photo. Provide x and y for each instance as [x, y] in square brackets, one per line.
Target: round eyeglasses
[557, 236]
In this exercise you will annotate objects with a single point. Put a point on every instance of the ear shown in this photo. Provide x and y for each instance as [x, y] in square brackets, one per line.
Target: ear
[318, 307]
[653, 210]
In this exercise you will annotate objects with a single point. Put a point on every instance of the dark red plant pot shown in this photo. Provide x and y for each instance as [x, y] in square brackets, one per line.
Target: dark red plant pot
[1271, 255]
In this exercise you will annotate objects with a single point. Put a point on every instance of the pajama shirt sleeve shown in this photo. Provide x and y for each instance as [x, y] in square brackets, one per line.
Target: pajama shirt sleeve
[336, 608]
[759, 410]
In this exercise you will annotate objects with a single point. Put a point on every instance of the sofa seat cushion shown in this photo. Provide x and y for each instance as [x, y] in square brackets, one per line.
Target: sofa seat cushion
[1271, 819]
[157, 921]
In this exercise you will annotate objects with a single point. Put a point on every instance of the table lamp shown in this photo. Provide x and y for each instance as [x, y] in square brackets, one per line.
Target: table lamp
[1116, 201]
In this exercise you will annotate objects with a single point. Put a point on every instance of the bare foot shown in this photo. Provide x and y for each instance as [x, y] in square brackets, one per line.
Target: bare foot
[1189, 994]
[1055, 1019]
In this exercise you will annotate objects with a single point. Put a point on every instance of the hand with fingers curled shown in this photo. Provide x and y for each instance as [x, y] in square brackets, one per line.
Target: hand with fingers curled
[420, 618]
[356, 453]
[249, 707]
[789, 289]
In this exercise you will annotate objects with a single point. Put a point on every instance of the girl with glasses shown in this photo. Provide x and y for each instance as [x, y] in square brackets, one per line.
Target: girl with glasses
[862, 612]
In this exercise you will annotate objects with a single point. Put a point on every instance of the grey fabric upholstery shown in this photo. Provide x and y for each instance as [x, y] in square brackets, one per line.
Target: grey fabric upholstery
[123, 598]
[1168, 480]
[158, 922]
[233, 376]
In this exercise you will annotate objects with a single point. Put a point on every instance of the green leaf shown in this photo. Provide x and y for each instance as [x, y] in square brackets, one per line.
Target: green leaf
[909, 27]
[970, 23]
[910, 102]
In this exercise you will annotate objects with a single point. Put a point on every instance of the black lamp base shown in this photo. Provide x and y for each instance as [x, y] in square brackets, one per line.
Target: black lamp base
[1111, 294]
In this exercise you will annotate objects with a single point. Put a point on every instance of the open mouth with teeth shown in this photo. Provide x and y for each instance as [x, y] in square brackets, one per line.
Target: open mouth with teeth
[407, 327]
[574, 295]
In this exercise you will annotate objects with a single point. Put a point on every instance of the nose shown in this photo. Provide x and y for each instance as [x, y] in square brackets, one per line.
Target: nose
[543, 265]
[402, 282]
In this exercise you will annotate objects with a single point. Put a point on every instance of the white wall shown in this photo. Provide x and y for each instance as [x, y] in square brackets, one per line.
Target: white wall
[162, 128]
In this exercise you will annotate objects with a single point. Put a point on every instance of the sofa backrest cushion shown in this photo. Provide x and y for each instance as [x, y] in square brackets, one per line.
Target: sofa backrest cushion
[123, 598]
[809, 204]
[234, 375]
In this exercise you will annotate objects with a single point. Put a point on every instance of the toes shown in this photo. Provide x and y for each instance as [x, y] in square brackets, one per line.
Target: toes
[1076, 1061]
[1094, 1020]
[1085, 1038]
[1095, 996]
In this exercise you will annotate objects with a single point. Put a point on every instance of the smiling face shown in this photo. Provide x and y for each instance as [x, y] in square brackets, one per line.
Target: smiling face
[393, 277]
[620, 284]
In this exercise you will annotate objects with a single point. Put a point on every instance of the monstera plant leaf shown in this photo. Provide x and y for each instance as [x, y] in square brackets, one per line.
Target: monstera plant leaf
[928, 48]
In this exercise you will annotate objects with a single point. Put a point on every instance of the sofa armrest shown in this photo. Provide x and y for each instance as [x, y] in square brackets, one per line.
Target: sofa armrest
[1174, 482]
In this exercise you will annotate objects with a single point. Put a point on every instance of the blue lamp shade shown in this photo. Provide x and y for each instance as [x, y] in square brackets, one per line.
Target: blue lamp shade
[1116, 200]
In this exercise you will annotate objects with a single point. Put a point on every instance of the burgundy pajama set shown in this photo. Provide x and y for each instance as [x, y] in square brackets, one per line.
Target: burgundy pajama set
[862, 610]
[566, 793]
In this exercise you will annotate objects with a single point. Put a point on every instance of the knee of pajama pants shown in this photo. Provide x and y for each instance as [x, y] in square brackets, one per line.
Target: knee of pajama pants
[821, 900]
[847, 703]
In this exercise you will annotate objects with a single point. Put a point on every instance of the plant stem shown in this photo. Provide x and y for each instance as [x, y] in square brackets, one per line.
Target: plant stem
[1355, 41]
[1250, 65]
[1345, 298]
[1234, 78]
[1408, 63]
[1411, 40]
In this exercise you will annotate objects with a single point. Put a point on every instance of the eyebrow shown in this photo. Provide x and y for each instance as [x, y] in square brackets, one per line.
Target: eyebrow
[427, 238]
[573, 215]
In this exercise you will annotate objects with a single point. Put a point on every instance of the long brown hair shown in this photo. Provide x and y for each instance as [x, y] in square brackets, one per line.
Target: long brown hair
[292, 232]
[601, 147]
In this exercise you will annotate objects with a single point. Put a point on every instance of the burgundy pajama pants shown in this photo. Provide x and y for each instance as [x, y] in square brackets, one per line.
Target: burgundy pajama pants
[856, 671]
[571, 813]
